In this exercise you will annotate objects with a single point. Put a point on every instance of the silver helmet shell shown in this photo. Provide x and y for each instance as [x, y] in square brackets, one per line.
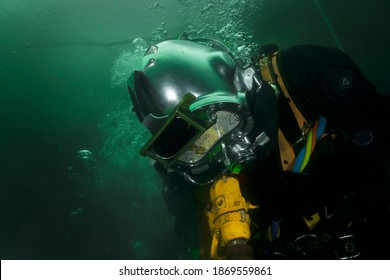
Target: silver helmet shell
[217, 107]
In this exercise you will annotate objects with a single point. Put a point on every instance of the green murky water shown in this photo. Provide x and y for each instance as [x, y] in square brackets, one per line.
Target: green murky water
[72, 183]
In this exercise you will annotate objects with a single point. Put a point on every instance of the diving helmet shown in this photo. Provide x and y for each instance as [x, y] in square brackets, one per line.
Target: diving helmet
[192, 97]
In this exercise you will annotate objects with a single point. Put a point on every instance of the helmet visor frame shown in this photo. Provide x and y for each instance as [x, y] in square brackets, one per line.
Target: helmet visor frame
[168, 143]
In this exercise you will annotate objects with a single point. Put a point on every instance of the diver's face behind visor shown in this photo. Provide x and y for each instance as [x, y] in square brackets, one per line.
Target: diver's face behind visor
[191, 97]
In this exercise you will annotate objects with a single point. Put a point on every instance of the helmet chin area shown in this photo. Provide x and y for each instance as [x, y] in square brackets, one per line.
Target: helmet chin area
[226, 121]
[222, 148]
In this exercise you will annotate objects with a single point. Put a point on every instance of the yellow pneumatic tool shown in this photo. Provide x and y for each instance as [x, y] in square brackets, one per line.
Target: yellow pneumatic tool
[229, 220]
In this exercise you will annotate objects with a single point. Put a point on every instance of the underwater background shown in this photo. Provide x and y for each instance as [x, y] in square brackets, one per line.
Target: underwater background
[72, 183]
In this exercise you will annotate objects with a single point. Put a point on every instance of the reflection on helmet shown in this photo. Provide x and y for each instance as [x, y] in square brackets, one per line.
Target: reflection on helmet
[170, 142]
[226, 122]
[173, 68]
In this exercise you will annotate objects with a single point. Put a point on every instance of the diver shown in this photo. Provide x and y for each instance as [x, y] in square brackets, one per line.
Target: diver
[286, 152]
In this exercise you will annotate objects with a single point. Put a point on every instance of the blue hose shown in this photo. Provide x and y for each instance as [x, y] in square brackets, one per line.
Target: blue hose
[299, 160]
[301, 155]
[321, 126]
